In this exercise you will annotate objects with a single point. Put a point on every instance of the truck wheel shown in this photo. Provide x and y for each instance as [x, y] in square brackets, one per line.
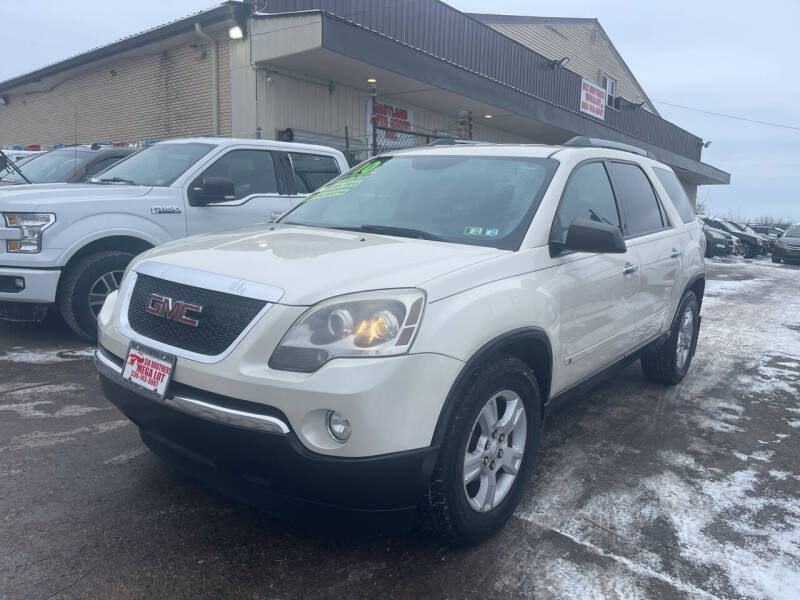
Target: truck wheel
[775, 259]
[84, 287]
[488, 451]
[669, 363]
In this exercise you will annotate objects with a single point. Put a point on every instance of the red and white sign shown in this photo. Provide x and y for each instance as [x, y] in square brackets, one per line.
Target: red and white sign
[388, 115]
[593, 99]
[150, 372]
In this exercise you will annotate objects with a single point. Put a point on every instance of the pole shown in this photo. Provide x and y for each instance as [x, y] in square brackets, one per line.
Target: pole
[373, 120]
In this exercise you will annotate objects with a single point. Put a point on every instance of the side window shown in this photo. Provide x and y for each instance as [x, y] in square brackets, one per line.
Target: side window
[312, 171]
[101, 165]
[588, 195]
[251, 171]
[676, 193]
[637, 200]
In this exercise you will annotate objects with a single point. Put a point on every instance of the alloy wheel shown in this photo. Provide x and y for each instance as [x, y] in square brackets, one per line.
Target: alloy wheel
[101, 288]
[685, 338]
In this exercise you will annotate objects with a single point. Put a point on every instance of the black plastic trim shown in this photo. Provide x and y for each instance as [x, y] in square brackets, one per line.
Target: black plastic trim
[462, 380]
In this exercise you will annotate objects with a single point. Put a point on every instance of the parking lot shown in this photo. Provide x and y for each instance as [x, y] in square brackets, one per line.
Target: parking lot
[641, 491]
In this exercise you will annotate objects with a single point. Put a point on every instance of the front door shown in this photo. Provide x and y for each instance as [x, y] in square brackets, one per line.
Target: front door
[257, 197]
[595, 292]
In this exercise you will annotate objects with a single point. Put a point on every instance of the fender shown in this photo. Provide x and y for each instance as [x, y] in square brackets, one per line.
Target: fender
[84, 241]
[524, 334]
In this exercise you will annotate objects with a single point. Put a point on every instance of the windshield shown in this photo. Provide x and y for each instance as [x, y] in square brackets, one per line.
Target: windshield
[50, 167]
[158, 165]
[792, 232]
[478, 200]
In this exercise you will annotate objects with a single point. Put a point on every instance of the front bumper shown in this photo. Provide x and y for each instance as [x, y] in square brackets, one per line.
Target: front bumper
[786, 253]
[40, 285]
[249, 451]
[718, 247]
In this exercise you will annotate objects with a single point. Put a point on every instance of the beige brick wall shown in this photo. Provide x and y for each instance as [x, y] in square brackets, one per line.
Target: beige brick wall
[157, 96]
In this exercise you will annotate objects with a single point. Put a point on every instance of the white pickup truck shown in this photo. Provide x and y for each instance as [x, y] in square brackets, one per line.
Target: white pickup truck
[68, 244]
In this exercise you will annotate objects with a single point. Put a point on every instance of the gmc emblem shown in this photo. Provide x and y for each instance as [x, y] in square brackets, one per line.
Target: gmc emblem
[174, 310]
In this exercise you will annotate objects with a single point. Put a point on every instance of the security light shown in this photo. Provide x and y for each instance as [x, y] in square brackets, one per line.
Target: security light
[487, 116]
[559, 63]
[372, 80]
[235, 33]
[706, 144]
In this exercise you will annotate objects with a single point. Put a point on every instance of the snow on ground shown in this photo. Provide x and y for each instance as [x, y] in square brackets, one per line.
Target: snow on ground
[712, 510]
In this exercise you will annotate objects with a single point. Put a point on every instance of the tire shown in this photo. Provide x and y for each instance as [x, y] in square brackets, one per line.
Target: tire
[669, 362]
[450, 504]
[92, 274]
[776, 260]
[749, 251]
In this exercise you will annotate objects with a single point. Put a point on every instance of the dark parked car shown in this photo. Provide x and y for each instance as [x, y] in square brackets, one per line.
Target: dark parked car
[718, 242]
[751, 242]
[768, 231]
[787, 248]
[65, 165]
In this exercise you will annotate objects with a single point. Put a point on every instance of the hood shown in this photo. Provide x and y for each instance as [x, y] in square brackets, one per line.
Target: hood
[41, 196]
[312, 264]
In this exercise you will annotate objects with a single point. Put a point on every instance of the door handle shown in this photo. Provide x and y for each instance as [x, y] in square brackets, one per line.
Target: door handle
[675, 253]
[630, 269]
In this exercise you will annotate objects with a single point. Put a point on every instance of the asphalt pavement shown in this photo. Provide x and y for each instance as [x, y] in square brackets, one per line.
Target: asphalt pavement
[641, 491]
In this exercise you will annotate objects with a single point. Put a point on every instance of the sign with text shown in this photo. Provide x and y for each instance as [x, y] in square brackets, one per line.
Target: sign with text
[389, 115]
[593, 99]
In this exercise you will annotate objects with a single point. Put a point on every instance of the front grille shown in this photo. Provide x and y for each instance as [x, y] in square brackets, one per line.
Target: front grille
[222, 320]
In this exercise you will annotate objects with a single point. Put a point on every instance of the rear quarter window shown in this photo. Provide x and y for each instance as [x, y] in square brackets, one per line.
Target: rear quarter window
[676, 193]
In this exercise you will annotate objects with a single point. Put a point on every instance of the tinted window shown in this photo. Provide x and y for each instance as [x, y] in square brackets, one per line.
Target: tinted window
[640, 209]
[676, 193]
[251, 171]
[101, 165]
[478, 200]
[312, 171]
[588, 195]
[50, 167]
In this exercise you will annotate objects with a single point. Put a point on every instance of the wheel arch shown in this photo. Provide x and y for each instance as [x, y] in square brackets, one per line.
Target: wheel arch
[696, 284]
[529, 344]
[120, 243]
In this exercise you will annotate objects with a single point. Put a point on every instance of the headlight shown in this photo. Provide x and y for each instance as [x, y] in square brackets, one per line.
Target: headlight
[32, 226]
[380, 323]
[780, 243]
[716, 235]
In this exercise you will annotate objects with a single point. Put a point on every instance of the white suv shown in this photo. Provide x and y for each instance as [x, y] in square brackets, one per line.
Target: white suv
[398, 338]
[69, 244]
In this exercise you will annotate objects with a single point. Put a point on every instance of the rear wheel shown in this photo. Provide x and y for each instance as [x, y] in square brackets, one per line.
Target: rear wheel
[669, 363]
[488, 452]
[775, 259]
[85, 286]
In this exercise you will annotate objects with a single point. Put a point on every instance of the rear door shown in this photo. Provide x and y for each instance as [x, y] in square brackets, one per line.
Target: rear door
[260, 195]
[654, 243]
[595, 292]
[307, 172]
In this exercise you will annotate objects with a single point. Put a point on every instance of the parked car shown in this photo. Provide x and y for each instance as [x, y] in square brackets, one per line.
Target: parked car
[787, 248]
[718, 242]
[70, 244]
[751, 243]
[18, 156]
[769, 232]
[399, 337]
[66, 165]
[764, 243]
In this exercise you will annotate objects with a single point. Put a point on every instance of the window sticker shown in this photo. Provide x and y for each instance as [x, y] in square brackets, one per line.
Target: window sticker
[473, 230]
[491, 232]
[346, 182]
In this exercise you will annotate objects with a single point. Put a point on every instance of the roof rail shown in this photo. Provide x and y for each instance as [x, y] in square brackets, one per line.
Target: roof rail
[584, 141]
[447, 141]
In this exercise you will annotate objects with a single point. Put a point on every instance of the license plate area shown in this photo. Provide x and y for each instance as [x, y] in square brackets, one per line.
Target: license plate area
[148, 371]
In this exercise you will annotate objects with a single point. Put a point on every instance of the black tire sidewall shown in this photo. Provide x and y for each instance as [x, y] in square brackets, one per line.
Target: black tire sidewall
[75, 301]
[688, 299]
[511, 374]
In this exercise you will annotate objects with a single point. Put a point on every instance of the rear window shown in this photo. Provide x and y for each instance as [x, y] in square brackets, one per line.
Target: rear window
[676, 193]
[312, 171]
[640, 208]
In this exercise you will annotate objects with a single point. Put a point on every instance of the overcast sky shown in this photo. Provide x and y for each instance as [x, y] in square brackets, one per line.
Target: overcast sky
[726, 56]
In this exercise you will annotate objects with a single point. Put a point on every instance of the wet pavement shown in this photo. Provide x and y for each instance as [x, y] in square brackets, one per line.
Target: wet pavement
[640, 492]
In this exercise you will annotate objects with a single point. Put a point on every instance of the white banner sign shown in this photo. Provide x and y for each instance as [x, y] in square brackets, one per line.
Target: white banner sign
[593, 99]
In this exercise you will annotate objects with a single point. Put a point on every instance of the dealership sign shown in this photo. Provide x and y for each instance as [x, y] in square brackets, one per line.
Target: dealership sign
[593, 99]
[391, 116]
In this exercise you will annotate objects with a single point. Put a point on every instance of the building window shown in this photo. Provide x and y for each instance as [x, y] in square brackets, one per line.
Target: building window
[610, 86]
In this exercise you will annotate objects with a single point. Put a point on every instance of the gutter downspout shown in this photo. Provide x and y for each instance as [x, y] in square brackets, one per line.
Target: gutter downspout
[214, 77]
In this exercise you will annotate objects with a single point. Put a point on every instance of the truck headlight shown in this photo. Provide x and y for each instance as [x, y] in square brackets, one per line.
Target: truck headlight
[32, 226]
[368, 324]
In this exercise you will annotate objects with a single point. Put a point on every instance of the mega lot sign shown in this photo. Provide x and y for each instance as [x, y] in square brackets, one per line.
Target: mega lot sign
[593, 99]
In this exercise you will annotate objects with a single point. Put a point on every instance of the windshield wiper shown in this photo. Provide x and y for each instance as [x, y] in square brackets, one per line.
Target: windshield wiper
[401, 232]
[119, 180]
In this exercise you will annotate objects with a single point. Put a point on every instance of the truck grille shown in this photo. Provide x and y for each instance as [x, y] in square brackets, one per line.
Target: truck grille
[223, 317]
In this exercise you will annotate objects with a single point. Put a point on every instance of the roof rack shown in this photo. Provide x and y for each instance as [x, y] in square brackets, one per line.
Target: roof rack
[584, 141]
[447, 141]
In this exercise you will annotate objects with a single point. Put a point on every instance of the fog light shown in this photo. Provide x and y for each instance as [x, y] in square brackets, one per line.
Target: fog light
[19, 282]
[338, 426]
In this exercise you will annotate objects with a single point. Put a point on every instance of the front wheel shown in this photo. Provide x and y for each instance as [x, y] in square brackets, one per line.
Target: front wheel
[85, 286]
[489, 449]
[776, 260]
[669, 363]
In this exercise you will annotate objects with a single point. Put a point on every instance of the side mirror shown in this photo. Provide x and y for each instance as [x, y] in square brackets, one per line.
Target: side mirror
[585, 235]
[212, 190]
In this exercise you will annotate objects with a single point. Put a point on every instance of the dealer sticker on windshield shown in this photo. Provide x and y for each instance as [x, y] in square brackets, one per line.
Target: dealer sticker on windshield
[150, 371]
